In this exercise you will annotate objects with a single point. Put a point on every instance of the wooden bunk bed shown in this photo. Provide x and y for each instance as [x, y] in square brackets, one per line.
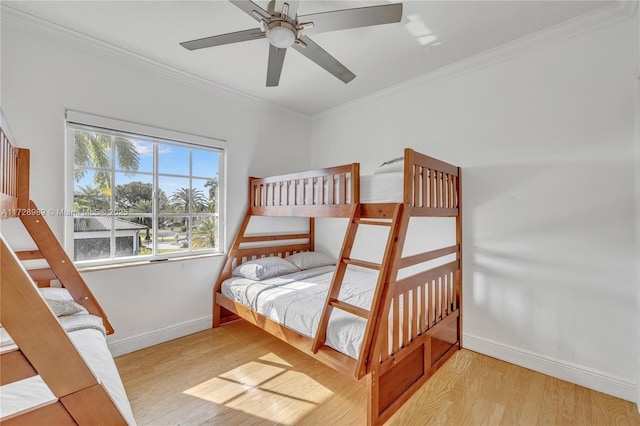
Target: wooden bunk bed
[49, 375]
[413, 324]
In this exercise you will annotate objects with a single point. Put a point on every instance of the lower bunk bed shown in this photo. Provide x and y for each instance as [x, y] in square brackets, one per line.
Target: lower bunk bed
[391, 323]
[25, 396]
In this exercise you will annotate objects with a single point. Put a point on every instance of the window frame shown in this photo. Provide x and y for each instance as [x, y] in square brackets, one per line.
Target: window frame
[76, 119]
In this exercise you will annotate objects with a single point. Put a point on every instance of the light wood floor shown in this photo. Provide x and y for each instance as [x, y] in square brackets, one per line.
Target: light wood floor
[240, 375]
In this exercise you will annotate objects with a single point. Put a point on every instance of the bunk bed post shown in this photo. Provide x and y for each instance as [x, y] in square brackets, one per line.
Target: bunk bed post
[228, 266]
[23, 178]
[459, 254]
[312, 234]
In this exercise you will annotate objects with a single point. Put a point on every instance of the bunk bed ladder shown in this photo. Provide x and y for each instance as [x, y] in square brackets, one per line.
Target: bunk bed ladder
[60, 265]
[384, 272]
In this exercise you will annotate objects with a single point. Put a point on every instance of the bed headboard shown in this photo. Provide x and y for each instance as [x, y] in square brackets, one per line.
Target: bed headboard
[329, 192]
[431, 186]
[14, 174]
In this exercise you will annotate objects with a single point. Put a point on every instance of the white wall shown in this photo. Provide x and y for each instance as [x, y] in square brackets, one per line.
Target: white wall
[637, 115]
[41, 77]
[546, 142]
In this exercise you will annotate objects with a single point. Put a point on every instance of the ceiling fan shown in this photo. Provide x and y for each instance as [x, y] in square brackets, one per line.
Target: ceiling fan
[285, 29]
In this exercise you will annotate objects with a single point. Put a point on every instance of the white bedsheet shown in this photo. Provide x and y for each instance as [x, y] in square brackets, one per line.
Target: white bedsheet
[296, 301]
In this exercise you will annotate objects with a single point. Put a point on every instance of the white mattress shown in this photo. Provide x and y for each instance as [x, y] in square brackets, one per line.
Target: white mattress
[296, 301]
[382, 188]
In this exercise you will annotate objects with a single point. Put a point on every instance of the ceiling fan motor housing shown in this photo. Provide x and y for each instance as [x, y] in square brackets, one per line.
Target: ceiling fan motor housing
[281, 34]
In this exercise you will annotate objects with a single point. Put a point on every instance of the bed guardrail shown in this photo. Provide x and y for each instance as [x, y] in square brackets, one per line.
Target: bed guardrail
[328, 192]
[14, 175]
[431, 186]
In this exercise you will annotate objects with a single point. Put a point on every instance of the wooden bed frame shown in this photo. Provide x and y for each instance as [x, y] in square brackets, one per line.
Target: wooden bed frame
[414, 323]
[43, 346]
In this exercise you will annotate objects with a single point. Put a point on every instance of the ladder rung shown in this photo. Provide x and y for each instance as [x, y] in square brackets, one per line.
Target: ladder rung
[371, 222]
[45, 274]
[29, 254]
[352, 309]
[363, 263]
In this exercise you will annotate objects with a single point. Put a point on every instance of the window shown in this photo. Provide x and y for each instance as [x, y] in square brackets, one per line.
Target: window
[140, 193]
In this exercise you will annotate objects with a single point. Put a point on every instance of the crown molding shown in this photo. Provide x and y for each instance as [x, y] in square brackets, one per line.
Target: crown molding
[617, 11]
[91, 45]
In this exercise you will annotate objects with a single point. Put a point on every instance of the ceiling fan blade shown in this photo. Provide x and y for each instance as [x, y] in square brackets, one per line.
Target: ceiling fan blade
[352, 18]
[320, 56]
[250, 7]
[218, 40]
[276, 59]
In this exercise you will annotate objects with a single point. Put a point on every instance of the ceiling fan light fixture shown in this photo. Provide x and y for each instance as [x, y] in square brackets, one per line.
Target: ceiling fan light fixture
[281, 34]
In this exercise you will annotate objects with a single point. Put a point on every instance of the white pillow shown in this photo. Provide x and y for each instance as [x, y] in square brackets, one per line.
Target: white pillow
[60, 301]
[310, 259]
[56, 293]
[65, 307]
[263, 268]
[392, 166]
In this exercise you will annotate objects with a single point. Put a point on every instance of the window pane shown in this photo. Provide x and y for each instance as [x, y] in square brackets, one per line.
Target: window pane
[204, 195]
[91, 193]
[177, 192]
[173, 160]
[92, 237]
[205, 163]
[204, 233]
[126, 155]
[173, 235]
[133, 155]
[92, 149]
[134, 193]
[130, 233]
[145, 234]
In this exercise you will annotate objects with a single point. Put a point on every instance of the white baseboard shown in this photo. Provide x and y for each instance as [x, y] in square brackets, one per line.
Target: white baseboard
[154, 337]
[580, 375]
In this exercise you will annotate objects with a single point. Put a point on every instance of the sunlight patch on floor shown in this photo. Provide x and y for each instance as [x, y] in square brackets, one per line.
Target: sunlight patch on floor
[268, 388]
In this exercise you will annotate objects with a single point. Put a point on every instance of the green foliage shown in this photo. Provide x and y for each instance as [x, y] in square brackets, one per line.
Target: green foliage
[205, 233]
[94, 150]
[186, 200]
[90, 198]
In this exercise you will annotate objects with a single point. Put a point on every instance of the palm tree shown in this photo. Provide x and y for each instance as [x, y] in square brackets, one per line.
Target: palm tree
[213, 194]
[144, 206]
[205, 233]
[94, 150]
[90, 198]
[187, 200]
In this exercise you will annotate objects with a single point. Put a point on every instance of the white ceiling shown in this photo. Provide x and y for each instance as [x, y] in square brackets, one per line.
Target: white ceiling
[431, 35]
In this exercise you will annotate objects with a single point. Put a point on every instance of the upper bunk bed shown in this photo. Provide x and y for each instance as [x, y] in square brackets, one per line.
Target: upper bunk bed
[56, 366]
[394, 326]
[424, 185]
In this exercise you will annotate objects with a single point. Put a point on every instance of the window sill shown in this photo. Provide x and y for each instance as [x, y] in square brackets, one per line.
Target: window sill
[95, 268]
